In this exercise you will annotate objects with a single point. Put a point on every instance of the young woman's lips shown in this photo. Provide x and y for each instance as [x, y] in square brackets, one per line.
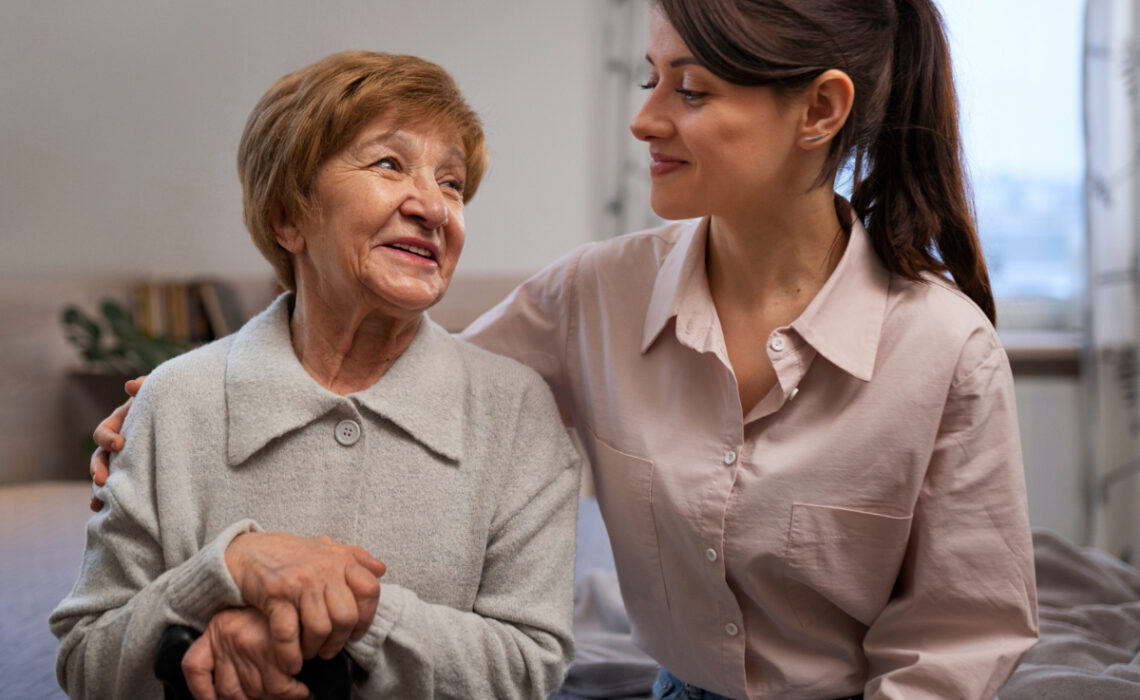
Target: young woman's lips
[663, 165]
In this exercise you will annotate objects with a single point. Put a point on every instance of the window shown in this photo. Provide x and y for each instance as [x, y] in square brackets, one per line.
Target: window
[1018, 71]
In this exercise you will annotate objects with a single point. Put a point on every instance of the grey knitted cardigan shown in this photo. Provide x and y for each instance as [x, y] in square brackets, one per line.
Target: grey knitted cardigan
[462, 480]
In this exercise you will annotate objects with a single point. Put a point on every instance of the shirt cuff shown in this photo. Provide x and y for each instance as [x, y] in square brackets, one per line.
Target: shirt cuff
[203, 585]
[366, 650]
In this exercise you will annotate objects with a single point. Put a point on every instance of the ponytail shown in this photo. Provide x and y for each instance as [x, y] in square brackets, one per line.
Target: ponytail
[914, 198]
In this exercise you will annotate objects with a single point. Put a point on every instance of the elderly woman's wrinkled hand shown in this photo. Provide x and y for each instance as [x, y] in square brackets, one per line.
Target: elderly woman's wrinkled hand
[316, 593]
[234, 658]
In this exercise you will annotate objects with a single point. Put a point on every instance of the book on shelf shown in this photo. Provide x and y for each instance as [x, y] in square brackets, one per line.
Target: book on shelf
[194, 311]
[222, 310]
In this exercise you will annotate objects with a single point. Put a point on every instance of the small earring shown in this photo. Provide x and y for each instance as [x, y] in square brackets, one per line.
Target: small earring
[817, 137]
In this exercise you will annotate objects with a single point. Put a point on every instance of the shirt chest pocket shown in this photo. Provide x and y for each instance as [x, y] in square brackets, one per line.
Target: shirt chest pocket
[848, 558]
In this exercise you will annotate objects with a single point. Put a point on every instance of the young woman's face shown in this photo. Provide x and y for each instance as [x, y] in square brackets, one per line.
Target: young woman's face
[717, 148]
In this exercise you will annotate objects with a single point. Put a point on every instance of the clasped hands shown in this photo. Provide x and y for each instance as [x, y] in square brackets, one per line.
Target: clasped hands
[307, 596]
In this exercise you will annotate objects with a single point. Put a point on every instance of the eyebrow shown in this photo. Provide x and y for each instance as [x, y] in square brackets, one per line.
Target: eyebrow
[393, 135]
[404, 140]
[682, 61]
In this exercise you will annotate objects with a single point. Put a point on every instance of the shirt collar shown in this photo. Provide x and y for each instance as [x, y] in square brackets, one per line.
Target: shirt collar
[681, 282]
[269, 393]
[845, 320]
[843, 323]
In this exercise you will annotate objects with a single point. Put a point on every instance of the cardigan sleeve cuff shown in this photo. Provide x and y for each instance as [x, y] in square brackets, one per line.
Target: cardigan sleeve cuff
[203, 585]
[366, 650]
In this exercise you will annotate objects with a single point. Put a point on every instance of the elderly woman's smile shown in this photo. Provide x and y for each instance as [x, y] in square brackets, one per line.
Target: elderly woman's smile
[387, 225]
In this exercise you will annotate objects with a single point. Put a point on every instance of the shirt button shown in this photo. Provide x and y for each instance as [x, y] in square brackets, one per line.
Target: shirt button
[710, 554]
[730, 457]
[731, 629]
[777, 343]
[347, 432]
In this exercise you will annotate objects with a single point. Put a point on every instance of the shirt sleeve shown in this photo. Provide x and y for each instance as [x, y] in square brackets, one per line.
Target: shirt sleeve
[127, 593]
[965, 606]
[516, 640]
[532, 325]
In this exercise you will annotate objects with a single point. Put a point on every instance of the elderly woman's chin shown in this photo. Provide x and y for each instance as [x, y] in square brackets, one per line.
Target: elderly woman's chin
[405, 286]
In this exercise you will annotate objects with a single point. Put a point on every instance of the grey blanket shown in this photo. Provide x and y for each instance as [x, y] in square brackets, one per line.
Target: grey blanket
[1090, 627]
[606, 663]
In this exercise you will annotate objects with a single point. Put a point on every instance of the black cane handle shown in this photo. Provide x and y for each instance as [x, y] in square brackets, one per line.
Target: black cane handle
[326, 679]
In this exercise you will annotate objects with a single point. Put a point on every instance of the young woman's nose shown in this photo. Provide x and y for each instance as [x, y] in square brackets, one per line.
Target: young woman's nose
[650, 121]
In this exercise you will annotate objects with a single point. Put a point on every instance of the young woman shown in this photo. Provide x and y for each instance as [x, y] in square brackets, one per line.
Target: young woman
[799, 416]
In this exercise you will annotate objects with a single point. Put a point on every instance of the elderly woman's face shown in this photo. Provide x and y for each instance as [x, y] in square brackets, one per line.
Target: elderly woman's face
[388, 224]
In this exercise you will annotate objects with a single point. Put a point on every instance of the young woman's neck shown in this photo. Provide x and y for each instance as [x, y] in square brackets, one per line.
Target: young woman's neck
[346, 346]
[779, 254]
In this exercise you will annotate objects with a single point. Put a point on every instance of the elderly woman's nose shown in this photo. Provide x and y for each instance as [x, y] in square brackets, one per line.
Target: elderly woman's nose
[427, 203]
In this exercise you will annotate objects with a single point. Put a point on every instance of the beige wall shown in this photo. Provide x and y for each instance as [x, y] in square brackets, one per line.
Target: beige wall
[1051, 413]
[119, 122]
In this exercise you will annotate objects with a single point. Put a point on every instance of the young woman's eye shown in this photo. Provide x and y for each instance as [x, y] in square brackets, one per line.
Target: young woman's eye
[647, 85]
[691, 95]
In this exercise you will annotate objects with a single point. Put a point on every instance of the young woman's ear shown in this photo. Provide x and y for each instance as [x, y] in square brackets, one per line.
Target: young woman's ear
[827, 104]
[286, 233]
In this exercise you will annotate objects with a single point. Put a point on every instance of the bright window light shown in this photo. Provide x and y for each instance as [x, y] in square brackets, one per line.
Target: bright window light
[1018, 72]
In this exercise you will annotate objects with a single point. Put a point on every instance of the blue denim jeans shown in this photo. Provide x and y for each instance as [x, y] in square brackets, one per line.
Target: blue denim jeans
[669, 687]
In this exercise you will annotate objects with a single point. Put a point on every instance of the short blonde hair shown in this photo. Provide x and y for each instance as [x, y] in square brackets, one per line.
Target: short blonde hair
[311, 114]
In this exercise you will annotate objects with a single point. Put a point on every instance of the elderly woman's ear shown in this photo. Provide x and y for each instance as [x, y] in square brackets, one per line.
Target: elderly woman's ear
[286, 233]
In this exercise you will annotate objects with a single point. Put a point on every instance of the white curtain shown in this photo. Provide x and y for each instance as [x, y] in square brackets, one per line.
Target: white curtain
[624, 177]
[1112, 127]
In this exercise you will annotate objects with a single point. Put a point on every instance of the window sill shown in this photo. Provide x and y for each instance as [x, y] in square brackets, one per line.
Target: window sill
[1043, 353]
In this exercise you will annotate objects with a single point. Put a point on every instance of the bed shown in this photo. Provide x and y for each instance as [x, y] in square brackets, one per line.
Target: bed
[1089, 607]
[41, 543]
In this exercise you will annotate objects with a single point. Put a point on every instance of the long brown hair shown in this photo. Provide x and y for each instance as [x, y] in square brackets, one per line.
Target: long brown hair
[902, 137]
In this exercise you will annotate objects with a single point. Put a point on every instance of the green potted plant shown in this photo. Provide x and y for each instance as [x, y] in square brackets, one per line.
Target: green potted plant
[114, 349]
[116, 344]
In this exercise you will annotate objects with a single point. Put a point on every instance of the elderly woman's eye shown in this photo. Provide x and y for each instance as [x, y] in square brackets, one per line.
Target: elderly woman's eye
[387, 163]
[456, 185]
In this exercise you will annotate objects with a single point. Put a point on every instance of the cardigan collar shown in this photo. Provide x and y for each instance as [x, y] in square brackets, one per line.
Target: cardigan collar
[843, 322]
[269, 393]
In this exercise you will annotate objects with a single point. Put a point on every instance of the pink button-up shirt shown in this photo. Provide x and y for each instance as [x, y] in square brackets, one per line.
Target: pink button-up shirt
[862, 529]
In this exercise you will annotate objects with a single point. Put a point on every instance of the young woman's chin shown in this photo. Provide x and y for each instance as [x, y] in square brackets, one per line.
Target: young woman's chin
[670, 209]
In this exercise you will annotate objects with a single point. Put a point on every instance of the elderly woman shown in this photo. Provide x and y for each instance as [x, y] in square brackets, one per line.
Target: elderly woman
[262, 470]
